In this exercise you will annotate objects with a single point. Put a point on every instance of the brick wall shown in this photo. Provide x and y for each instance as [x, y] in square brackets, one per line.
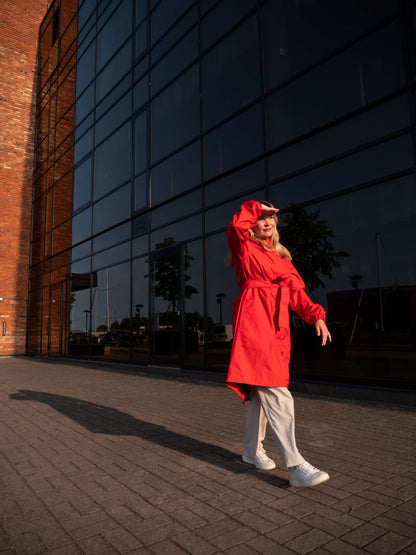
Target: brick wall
[19, 26]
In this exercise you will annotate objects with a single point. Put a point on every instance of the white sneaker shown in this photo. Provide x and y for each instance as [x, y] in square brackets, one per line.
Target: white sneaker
[305, 475]
[261, 461]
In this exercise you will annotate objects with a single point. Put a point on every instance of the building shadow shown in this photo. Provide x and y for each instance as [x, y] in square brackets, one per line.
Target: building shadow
[100, 419]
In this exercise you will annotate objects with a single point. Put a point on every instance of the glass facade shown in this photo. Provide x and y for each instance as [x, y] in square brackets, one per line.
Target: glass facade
[157, 119]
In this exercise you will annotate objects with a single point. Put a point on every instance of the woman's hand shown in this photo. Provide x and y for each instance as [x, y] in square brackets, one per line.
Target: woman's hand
[322, 331]
[268, 209]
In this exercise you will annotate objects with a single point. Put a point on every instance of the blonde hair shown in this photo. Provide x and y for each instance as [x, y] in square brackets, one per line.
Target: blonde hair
[275, 244]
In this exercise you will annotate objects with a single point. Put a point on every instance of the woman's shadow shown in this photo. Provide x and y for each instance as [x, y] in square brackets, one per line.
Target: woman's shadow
[100, 419]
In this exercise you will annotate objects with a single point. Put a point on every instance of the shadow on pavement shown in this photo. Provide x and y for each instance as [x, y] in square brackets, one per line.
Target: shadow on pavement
[100, 419]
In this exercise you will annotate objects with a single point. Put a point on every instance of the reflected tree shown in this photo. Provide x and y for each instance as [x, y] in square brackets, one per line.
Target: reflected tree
[308, 238]
[167, 277]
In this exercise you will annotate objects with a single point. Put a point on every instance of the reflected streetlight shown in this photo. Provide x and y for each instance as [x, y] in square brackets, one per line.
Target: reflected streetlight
[220, 297]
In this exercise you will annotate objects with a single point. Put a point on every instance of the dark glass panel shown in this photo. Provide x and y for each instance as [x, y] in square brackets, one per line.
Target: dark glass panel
[140, 136]
[79, 333]
[113, 96]
[193, 285]
[370, 295]
[222, 290]
[141, 68]
[234, 143]
[81, 226]
[82, 184]
[84, 104]
[165, 14]
[85, 69]
[178, 173]
[358, 130]
[140, 311]
[141, 11]
[181, 27]
[141, 40]
[110, 316]
[113, 118]
[364, 166]
[232, 66]
[82, 266]
[114, 71]
[176, 114]
[84, 12]
[222, 17]
[80, 251]
[297, 34]
[238, 182]
[141, 225]
[180, 231]
[219, 217]
[366, 71]
[140, 245]
[111, 256]
[177, 59]
[112, 209]
[113, 161]
[140, 192]
[110, 238]
[177, 209]
[85, 37]
[83, 146]
[141, 92]
[114, 33]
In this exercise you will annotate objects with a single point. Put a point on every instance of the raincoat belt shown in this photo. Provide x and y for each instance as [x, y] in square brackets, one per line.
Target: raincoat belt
[282, 298]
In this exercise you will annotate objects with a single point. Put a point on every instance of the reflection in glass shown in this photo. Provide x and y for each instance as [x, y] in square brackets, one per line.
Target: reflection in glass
[298, 34]
[366, 71]
[176, 114]
[83, 146]
[113, 118]
[81, 226]
[114, 33]
[113, 161]
[234, 143]
[110, 313]
[194, 304]
[222, 289]
[85, 69]
[140, 311]
[112, 209]
[175, 33]
[364, 166]
[241, 181]
[111, 256]
[140, 129]
[140, 191]
[114, 71]
[222, 18]
[358, 130]
[165, 14]
[232, 66]
[115, 235]
[175, 61]
[177, 208]
[178, 173]
[183, 230]
[82, 184]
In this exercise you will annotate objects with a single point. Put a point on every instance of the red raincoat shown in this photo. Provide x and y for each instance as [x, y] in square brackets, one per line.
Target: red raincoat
[269, 284]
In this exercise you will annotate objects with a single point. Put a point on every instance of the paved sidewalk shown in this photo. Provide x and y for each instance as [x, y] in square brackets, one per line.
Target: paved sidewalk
[102, 461]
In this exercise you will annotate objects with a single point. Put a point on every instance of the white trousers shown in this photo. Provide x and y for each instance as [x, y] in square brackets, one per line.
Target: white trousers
[273, 406]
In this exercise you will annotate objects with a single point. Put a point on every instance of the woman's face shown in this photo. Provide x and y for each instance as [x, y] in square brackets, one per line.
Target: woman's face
[265, 226]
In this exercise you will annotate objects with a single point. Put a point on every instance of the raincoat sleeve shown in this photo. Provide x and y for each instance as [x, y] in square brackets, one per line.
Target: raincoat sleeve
[238, 228]
[301, 303]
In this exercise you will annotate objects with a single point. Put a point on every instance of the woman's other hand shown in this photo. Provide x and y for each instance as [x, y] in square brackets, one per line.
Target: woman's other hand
[323, 332]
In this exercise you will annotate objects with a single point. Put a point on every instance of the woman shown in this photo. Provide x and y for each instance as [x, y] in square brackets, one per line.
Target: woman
[259, 364]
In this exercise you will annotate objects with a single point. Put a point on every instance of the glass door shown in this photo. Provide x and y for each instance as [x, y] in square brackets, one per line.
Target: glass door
[166, 309]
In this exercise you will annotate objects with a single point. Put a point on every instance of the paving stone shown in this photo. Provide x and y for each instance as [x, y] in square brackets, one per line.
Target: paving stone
[100, 460]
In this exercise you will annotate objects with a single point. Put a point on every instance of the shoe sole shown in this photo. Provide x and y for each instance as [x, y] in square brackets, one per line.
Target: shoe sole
[315, 482]
[252, 463]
